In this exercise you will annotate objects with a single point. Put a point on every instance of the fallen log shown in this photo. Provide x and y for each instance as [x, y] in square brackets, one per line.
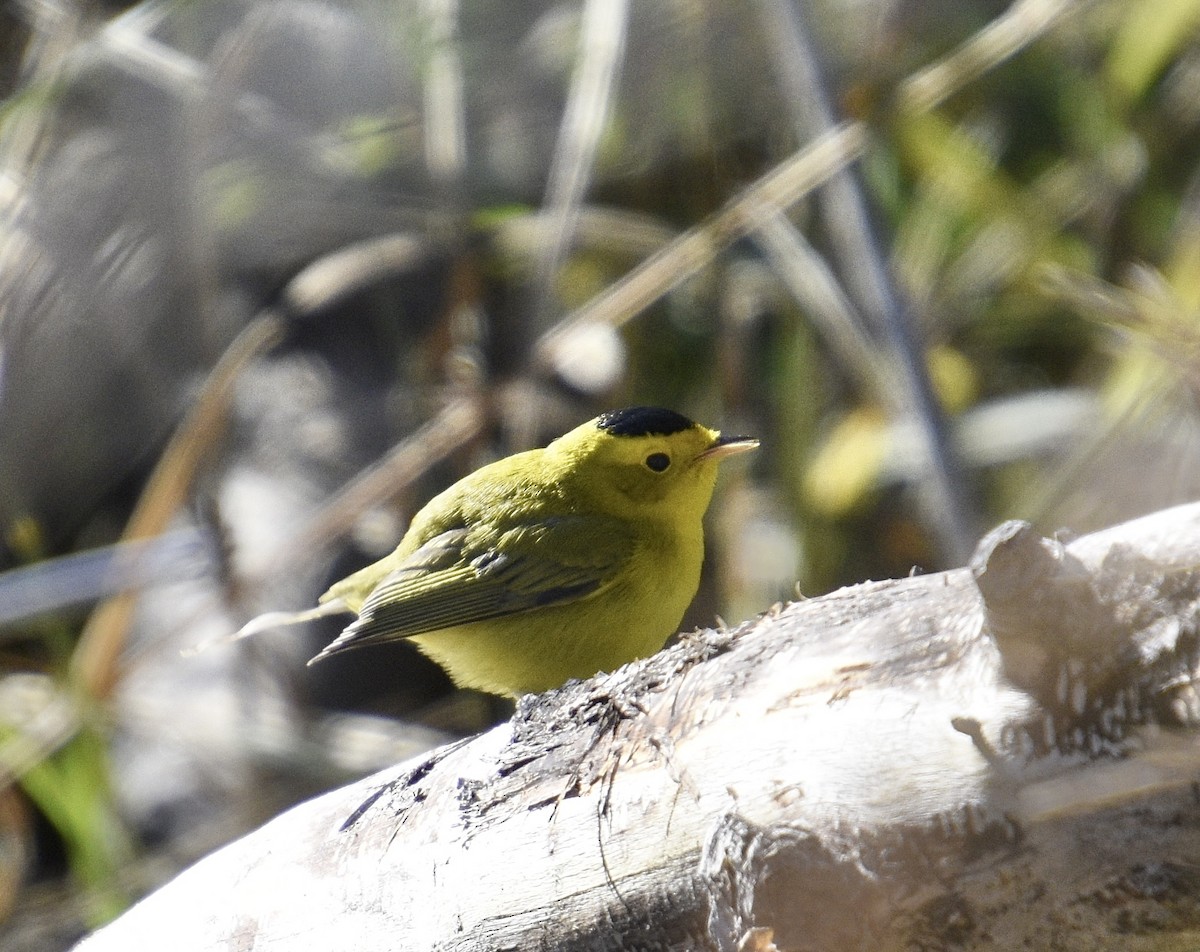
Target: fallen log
[1000, 756]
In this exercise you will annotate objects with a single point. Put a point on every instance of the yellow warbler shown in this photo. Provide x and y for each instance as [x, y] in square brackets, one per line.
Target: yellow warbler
[547, 565]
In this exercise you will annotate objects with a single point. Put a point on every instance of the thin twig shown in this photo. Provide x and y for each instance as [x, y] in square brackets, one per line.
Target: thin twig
[881, 311]
[94, 664]
[601, 46]
[699, 246]
[805, 170]
[459, 422]
[1002, 38]
[445, 112]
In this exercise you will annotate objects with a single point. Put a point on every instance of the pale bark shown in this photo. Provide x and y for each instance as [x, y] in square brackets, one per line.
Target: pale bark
[892, 766]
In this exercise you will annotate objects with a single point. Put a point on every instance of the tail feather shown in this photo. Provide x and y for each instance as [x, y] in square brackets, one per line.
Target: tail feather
[347, 639]
[335, 606]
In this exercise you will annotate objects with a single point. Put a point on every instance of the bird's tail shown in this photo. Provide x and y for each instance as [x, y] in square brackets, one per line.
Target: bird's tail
[264, 622]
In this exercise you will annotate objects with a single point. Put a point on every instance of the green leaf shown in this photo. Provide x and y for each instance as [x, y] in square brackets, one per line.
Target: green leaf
[71, 788]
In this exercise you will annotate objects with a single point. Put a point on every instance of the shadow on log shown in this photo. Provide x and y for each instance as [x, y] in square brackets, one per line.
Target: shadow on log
[996, 757]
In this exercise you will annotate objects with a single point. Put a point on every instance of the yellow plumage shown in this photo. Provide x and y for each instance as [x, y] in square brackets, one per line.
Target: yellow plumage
[551, 564]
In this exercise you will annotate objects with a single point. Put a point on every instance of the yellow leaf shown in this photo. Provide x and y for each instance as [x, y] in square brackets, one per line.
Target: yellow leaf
[848, 462]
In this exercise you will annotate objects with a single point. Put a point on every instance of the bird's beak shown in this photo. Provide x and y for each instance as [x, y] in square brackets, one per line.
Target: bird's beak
[729, 446]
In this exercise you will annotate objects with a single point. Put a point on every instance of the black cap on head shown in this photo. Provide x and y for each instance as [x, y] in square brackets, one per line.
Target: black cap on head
[644, 421]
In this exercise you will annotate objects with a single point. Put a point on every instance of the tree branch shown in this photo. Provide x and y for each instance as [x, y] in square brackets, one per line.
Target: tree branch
[979, 758]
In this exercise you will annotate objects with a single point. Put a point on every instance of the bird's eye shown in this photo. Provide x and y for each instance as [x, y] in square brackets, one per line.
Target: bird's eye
[658, 462]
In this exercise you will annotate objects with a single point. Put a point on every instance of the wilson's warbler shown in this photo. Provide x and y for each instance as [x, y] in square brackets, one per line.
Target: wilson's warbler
[548, 565]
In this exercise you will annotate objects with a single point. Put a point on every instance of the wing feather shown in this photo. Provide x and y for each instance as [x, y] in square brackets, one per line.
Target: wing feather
[470, 575]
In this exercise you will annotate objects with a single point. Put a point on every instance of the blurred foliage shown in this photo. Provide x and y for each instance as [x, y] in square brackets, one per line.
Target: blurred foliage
[174, 174]
[71, 789]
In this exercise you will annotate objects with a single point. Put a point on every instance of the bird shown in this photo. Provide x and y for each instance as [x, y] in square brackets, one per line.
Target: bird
[549, 565]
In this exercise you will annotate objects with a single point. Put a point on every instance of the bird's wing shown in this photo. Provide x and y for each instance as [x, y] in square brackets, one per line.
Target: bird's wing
[457, 577]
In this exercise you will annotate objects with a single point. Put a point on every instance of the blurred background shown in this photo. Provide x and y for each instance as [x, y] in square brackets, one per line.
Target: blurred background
[273, 272]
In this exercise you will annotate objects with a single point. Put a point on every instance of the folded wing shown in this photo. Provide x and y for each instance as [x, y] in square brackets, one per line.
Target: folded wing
[470, 575]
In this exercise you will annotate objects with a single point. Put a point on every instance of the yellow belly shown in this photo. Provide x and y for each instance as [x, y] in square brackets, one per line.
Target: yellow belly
[541, 649]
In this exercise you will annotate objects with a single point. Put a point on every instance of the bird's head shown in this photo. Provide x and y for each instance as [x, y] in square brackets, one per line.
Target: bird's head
[646, 462]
